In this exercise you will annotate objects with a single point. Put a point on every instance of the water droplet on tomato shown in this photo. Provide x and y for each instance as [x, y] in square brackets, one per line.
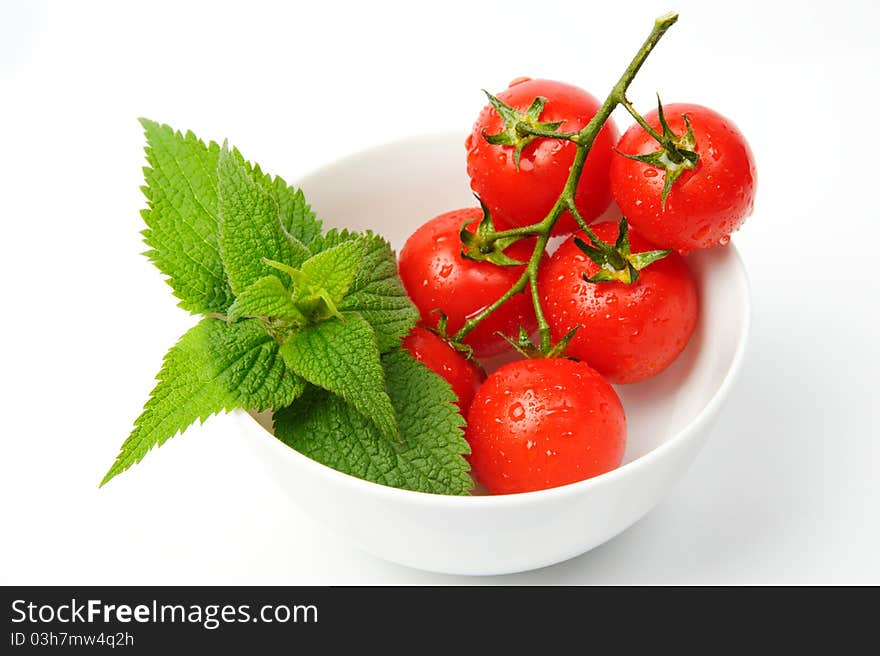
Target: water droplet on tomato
[445, 270]
[702, 232]
[516, 412]
[650, 173]
[724, 241]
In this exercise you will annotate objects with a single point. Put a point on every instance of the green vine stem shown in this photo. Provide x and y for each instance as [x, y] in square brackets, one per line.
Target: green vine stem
[659, 138]
[584, 142]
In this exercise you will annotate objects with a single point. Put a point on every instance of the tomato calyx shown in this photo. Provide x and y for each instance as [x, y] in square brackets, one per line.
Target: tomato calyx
[460, 347]
[677, 155]
[525, 347]
[617, 263]
[521, 128]
[482, 246]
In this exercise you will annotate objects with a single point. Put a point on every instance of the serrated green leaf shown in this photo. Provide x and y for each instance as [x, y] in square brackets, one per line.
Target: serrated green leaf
[266, 298]
[376, 292]
[343, 358]
[295, 214]
[427, 459]
[214, 367]
[334, 269]
[182, 227]
[250, 224]
[333, 237]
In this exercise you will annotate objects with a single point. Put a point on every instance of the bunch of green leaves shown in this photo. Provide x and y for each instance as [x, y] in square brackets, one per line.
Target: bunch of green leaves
[302, 322]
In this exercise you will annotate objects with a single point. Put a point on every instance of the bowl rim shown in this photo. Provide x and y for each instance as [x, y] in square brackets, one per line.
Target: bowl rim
[708, 411]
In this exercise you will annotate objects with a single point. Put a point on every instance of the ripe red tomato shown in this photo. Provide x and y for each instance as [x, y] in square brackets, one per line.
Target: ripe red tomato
[462, 375]
[707, 203]
[518, 197]
[536, 424]
[436, 276]
[628, 332]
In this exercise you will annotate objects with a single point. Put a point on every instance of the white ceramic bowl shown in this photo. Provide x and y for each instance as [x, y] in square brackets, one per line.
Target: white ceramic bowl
[393, 189]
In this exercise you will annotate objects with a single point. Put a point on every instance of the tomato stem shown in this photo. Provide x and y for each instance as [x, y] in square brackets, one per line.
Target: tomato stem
[541, 132]
[532, 269]
[659, 138]
[572, 208]
[583, 140]
[522, 231]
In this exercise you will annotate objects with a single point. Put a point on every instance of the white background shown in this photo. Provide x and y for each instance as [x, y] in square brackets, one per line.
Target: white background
[787, 489]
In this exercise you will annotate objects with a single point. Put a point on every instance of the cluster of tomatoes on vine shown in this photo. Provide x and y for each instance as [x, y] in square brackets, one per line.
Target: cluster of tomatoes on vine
[614, 302]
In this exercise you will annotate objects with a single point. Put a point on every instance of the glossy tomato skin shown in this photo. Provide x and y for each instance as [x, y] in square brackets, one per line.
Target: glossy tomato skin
[462, 375]
[628, 332]
[524, 196]
[536, 424]
[707, 203]
[436, 276]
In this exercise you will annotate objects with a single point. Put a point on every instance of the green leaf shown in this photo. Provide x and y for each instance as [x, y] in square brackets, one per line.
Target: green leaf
[214, 367]
[343, 358]
[323, 280]
[250, 225]
[428, 458]
[331, 238]
[334, 269]
[295, 214]
[376, 292]
[266, 298]
[182, 228]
